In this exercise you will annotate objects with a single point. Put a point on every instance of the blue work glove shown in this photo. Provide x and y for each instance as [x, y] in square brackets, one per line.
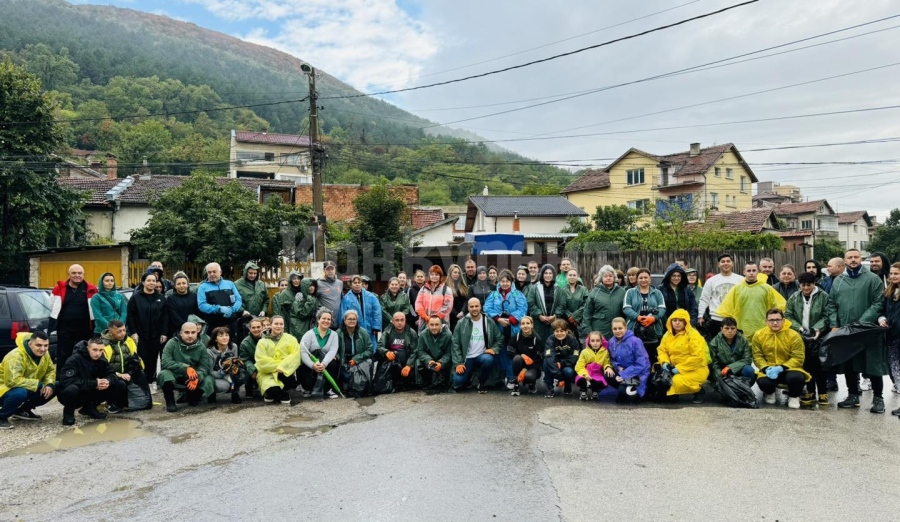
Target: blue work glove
[226, 311]
[773, 371]
[667, 367]
[674, 370]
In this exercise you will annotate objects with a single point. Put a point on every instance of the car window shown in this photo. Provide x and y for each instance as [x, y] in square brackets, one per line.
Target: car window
[35, 304]
[4, 307]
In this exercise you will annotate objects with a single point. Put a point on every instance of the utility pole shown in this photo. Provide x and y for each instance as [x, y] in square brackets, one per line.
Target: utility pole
[316, 153]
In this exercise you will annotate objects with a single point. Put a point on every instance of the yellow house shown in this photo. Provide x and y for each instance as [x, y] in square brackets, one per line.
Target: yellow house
[268, 155]
[715, 178]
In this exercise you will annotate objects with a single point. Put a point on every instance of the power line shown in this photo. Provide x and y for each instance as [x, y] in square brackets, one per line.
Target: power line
[549, 58]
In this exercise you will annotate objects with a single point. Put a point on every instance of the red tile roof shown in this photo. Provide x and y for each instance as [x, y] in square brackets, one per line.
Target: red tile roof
[96, 187]
[753, 220]
[849, 218]
[805, 207]
[143, 188]
[422, 217]
[271, 138]
[590, 180]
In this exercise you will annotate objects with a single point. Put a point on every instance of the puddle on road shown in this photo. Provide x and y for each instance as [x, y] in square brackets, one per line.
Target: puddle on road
[365, 401]
[184, 437]
[290, 419]
[294, 430]
[112, 431]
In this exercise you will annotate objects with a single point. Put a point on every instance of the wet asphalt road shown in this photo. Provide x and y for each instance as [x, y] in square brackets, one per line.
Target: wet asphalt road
[465, 457]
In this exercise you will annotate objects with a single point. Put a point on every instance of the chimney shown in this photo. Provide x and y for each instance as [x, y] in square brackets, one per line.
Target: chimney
[485, 191]
[695, 149]
[516, 222]
[112, 167]
[95, 165]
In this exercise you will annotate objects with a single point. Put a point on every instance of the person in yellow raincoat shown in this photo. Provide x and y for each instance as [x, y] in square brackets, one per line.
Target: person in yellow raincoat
[27, 378]
[778, 353]
[684, 352]
[748, 301]
[277, 360]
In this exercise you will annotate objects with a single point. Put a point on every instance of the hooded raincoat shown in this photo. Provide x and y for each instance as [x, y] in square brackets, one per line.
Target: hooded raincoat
[274, 355]
[391, 304]
[303, 310]
[434, 301]
[20, 370]
[431, 348]
[629, 358]
[284, 300]
[254, 294]
[570, 305]
[368, 308]
[680, 297]
[735, 356]
[177, 357]
[108, 306]
[542, 298]
[858, 296]
[747, 304]
[512, 304]
[819, 304]
[784, 348]
[357, 346]
[688, 352]
[602, 306]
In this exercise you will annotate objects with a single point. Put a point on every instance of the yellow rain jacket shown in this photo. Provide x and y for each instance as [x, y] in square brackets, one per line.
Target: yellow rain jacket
[588, 356]
[686, 351]
[18, 369]
[782, 348]
[747, 303]
[273, 355]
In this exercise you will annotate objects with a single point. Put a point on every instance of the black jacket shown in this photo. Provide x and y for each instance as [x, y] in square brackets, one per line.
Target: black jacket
[531, 345]
[148, 316]
[786, 291]
[892, 316]
[180, 307]
[565, 351]
[684, 296]
[82, 371]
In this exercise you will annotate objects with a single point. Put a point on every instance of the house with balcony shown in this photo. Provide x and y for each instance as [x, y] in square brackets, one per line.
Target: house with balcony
[853, 230]
[268, 155]
[807, 223]
[715, 178]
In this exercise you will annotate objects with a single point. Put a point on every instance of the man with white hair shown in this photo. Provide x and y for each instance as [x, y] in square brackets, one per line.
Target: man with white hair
[71, 313]
[218, 299]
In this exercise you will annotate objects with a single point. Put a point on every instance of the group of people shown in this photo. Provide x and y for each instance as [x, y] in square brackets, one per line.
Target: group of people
[472, 326]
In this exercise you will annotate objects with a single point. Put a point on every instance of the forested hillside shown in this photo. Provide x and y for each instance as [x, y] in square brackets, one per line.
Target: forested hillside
[148, 87]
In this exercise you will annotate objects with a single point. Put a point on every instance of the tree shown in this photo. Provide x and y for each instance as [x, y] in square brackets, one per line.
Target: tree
[53, 69]
[574, 225]
[35, 209]
[615, 217]
[204, 220]
[886, 238]
[379, 221]
[826, 249]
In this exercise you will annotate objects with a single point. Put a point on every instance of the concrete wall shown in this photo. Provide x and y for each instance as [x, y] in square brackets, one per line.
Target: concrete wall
[527, 225]
[439, 236]
[858, 239]
[268, 167]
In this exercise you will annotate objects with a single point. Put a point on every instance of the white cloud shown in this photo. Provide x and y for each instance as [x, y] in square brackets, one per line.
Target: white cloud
[367, 43]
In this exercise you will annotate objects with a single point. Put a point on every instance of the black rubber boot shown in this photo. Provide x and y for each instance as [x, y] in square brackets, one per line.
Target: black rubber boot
[68, 416]
[169, 394]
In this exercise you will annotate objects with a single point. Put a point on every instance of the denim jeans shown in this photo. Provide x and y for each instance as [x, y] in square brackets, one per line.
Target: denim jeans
[551, 371]
[484, 363]
[20, 399]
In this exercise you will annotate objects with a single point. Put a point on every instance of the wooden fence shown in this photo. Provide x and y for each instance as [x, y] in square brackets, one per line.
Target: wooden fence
[196, 272]
[705, 261]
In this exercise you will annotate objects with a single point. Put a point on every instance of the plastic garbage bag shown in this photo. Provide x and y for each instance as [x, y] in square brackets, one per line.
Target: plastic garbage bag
[383, 378]
[736, 392]
[138, 398]
[661, 380]
[359, 384]
[839, 346]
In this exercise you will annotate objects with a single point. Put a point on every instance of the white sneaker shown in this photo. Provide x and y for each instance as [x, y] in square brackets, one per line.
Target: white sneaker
[331, 395]
[769, 398]
[895, 388]
[865, 385]
[782, 397]
[153, 387]
[794, 403]
[510, 385]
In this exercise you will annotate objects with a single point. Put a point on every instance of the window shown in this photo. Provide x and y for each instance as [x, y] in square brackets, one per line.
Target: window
[854, 245]
[718, 172]
[635, 177]
[293, 159]
[714, 199]
[806, 224]
[640, 204]
[729, 174]
[855, 228]
[743, 183]
[249, 155]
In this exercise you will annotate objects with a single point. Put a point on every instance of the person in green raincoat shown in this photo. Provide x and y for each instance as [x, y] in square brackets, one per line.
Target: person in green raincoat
[254, 294]
[108, 305]
[570, 305]
[542, 296]
[430, 362]
[604, 303]
[730, 352]
[303, 309]
[748, 301]
[186, 365]
[394, 300]
[284, 300]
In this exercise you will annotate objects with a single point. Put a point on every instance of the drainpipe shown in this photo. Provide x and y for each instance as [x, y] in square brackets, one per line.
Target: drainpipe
[116, 208]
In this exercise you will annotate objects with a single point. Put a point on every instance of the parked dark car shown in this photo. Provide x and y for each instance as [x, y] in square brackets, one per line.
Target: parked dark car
[23, 309]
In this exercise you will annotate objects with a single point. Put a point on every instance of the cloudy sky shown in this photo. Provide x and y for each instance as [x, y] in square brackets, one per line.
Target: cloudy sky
[378, 45]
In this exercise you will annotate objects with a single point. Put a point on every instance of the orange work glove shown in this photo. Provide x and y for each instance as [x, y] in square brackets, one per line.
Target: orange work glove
[521, 376]
[192, 374]
[573, 322]
[562, 384]
[352, 363]
[390, 356]
[438, 367]
[405, 371]
[649, 320]
[725, 371]
[460, 369]
[192, 385]
[528, 360]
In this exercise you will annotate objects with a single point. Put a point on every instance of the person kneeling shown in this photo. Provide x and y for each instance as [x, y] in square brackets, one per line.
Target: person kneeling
[121, 352]
[525, 349]
[87, 380]
[560, 355]
[476, 342]
[318, 352]
[591, 368]
[27, 378]
[185, 365]
[683, 351]
[429, 364]
[779, 352]
[228, 370]
[277, 360]
[630, 365]
[730, 352]
[396, 345]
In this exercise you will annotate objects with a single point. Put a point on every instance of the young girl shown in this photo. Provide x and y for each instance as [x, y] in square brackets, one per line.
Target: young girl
[628, 362]
[223, 355]
[592, 363]
[525, 350]
[560, 355]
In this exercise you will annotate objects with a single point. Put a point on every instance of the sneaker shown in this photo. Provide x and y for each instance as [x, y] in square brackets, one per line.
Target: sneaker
[26, 415]
[92, 413]
[510, 384]
[68, 417]
[5, 424]
[769, 398]
[285, 397]
[831, 385]
[595, 396]
[331, 395]
[823, 399]
[515, 391]
[877, 405]
[865, 384]
[532, 388]
[114, 409]
[699, 397]
[896, 412]
[267, 399]
[852, 401]
[794, 403]
[807, 399]
[304, 393]
[895, 388]
[583, 396]
[550, 393]
[482, 389]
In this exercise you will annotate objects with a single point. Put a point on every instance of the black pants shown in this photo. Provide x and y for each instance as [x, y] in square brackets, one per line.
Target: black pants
[793, 379]
[66, 339]
[71, 397]
[289, 382]
[852, 379]
[307, 376]
[432, 379]
[711, 328]
[149, 350]
[532, 373]
[813, 366]
[652, 352]
[137, 378]
[193, 396]
[401, 360]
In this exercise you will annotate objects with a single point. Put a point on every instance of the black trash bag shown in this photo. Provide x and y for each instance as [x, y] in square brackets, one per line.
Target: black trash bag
[841, 345]
[736, 392]
[138, 398]
[383, 378]
[359, 384]
[661, 380]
